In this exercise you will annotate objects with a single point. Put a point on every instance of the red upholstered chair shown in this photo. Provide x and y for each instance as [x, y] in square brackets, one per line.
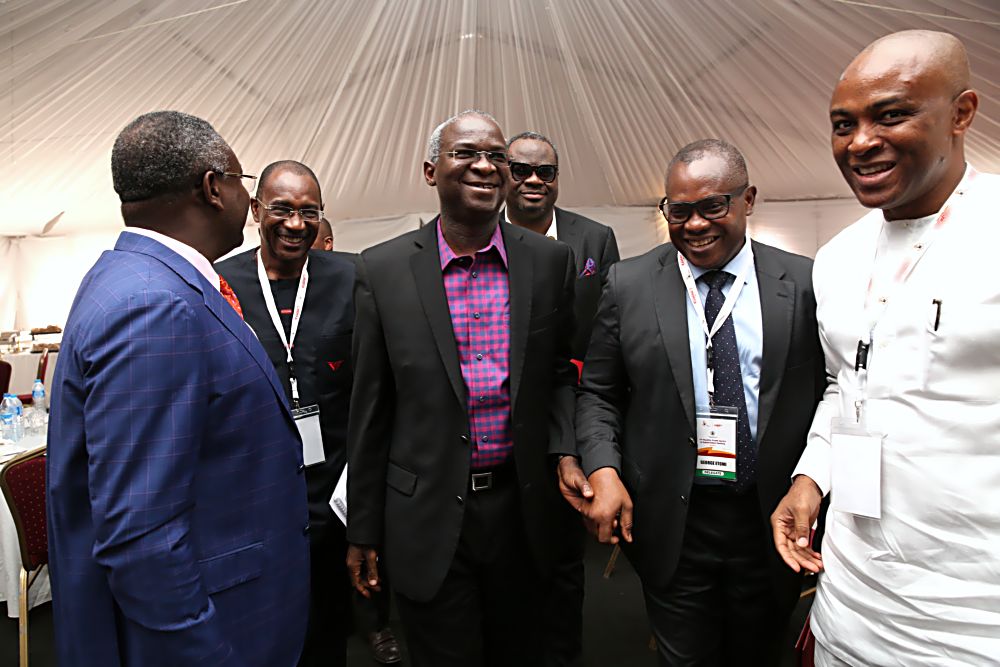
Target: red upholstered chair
[43, 365]
[5, 370]
[22, 480]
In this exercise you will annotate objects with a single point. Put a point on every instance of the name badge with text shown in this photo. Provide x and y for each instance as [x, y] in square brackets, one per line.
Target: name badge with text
[716, 434]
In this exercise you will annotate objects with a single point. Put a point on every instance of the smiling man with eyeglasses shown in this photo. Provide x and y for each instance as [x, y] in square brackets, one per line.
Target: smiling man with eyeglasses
[300, 304]
[701, 379]
[464, 387]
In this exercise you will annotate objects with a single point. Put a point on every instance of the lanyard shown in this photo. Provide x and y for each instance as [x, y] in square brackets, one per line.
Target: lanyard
[720, 319]
[899, 278]
[272, 310]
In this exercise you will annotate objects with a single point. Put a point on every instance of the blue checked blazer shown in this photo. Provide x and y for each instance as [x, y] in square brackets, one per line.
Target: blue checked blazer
[176, 500]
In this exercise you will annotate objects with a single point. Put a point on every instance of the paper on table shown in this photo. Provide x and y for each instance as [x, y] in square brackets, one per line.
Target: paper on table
[338, 501]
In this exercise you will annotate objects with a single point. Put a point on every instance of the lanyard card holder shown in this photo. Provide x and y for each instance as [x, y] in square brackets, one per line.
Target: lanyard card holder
[856, 473]
[716, 433]
[307, 421]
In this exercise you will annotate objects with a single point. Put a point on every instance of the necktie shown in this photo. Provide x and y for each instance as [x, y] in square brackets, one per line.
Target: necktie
[229, 295]
[729, 379]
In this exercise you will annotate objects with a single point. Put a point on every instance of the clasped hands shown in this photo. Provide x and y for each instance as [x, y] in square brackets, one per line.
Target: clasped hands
[602, 500]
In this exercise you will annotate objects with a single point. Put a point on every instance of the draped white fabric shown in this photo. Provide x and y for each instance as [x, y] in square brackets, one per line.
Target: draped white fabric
[354, 87]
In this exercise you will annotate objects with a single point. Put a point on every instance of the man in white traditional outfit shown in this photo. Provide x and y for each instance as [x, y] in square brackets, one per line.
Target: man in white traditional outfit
[907, 439]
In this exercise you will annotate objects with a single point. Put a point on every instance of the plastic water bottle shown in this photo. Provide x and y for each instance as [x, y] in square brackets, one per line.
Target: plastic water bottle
[38, 395]
[11, 418]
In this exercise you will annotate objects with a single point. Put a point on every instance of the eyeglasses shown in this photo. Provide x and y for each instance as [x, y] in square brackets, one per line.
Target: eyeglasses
[286, 212]
[469, 155]
[709, 208]
[248, 180]
[521, 171]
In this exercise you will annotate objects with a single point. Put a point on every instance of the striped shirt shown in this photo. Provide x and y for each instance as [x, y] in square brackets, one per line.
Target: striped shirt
[479, 303]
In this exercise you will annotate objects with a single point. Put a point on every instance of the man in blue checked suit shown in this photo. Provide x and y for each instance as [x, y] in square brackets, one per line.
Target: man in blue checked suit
[176, 500]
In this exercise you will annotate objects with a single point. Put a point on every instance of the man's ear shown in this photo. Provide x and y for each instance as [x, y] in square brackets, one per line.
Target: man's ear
[429, 168]
[749, 198]
[964, 107]
[211, 189]
[255, 209]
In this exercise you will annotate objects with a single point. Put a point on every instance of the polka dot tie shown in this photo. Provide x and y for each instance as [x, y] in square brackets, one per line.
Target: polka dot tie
[729, 378]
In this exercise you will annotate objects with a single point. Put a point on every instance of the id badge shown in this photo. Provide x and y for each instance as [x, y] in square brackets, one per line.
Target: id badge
[856, 475]
[307, 421]
[716, 434]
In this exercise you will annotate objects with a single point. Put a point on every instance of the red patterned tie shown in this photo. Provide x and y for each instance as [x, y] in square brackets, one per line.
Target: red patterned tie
[229, 295]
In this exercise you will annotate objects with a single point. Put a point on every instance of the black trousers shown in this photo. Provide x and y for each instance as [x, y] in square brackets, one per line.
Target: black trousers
[722, 606]
[329, 599]
[563, 620]
[489, 608]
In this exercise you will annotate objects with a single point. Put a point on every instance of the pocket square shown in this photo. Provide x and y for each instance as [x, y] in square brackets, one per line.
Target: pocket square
[589, 268]
[334, 365]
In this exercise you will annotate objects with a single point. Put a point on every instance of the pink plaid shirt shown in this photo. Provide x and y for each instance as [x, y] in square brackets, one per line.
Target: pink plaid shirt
[479, 302]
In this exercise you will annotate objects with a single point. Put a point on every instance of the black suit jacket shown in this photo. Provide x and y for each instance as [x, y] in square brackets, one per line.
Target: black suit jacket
[636, 408]
[408, 442]
[322, 355]
[589, 240]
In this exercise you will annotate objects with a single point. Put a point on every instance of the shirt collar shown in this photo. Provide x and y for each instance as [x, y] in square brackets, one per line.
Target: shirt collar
[195, 258]
[735, 265]
[448, 255]
[551, 232]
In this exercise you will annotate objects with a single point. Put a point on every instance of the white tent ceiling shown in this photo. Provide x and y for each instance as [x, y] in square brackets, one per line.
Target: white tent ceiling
[353, 88]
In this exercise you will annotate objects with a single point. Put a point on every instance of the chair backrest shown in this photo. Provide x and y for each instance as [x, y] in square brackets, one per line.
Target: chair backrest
[22, 480]
[5, 371]
[43, 365]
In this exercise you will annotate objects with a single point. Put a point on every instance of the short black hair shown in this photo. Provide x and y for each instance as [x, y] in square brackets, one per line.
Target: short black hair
[164, 152]
[736, 165]
[537, 137]
[293, 166]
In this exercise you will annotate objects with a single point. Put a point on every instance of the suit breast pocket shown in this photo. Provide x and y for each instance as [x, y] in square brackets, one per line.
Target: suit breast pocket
[963, 356]
[543, 322]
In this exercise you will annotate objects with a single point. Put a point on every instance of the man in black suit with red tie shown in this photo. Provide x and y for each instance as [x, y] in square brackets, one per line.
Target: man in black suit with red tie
[309, 295]
[531, 203]
[463, 386]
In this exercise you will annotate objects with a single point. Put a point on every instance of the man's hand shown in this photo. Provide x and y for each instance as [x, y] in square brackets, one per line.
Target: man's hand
[573, 484]
[356, 555]
[792, 522]
[610, 509]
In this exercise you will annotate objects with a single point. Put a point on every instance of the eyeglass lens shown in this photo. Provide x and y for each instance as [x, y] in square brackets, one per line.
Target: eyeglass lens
[709, 208]
[521, 171]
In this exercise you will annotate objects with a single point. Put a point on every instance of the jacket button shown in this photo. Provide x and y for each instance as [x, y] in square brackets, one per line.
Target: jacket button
[459, 499]
[302, 468]
[464, 438]
[684, 499]
[691, 441]
[305, 531]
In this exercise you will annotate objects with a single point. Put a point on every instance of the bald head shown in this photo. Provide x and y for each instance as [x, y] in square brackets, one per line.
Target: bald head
[899, 115]
[924, 53]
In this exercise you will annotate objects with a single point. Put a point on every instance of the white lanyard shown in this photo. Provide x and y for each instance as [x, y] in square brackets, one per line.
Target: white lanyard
[899, 278]
[727, 308]
[272, 309]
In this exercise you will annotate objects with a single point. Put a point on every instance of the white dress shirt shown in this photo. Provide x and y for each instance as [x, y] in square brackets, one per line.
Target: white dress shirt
[921, 585]
[551, 232]
[195, 258]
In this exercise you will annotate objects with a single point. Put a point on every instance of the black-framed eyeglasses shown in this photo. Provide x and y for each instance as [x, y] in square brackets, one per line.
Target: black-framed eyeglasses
[282, 212]
[248, 180]
[521, 171]
[709, 208]
[469, 155]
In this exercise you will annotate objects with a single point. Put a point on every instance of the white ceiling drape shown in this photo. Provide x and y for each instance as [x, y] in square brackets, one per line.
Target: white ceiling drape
[354, 87]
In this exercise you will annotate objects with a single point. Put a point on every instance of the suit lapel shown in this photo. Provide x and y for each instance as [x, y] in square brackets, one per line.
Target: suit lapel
[426, 267]
[671, 314]
[213, 299]
[777, 305]
[569, 233]
[519, 280]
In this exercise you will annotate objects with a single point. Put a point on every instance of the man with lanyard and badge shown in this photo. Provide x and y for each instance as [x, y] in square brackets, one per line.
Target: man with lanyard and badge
[300, 304]
[907, 440]
[699, 385]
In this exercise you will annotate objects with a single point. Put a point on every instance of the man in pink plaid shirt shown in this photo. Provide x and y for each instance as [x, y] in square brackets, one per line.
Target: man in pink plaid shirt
[463, 396]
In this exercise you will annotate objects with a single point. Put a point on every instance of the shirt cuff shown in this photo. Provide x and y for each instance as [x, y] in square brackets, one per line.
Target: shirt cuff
[815, 464]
